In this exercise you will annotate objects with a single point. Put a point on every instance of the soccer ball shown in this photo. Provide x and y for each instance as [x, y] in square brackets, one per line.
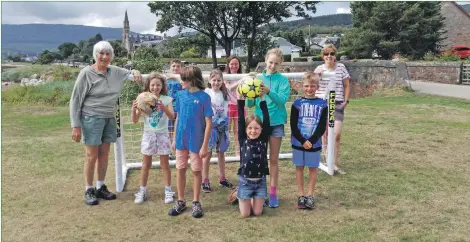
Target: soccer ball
[145, 100]
[249, 88]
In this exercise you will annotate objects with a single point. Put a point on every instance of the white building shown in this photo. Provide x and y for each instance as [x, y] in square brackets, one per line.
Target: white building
[286, 47]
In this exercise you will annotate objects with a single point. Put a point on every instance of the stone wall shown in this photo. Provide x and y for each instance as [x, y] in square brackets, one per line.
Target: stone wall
[456, 23]
[368, 76]
[439, 72]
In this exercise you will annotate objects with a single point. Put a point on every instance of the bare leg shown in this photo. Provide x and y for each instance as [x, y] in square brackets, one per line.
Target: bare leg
[258, 206]
[338, 129]
[275, 146]
[245, 207]
[205, 166]
[197, 179]
[299, 176]
[102, 165]
[91, 155]
[312, 180]
[165, 166]
[144, 173]
[181, 182]
[235, 135]
[221, 161]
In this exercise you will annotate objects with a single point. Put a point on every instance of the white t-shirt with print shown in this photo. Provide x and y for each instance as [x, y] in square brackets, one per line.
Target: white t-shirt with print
[219, 105]
[157, 121]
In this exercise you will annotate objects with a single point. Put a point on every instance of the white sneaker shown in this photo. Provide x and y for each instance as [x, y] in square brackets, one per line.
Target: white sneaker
[140, 197]
[169, 197]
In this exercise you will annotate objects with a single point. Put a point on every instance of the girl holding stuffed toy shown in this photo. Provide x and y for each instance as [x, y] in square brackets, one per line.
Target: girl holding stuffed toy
[155, 139]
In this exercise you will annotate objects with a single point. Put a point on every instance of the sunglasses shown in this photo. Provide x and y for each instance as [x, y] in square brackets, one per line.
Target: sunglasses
[329, 54]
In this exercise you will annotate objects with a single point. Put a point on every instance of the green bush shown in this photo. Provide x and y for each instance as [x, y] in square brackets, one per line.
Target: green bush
[54, 93]
[449, 57]
[148, 65]
[59, 72]
[130, 91]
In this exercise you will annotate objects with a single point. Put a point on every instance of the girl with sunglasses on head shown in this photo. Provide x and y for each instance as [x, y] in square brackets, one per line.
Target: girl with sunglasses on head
[331, 71]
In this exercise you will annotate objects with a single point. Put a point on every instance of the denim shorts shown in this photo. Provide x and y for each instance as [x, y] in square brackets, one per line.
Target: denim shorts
[248, 189]
[277, 130]
[308, 159]
[97, 130]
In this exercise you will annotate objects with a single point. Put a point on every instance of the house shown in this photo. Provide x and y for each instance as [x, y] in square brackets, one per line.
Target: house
[456, 25]
[320, 42]
[238, 49]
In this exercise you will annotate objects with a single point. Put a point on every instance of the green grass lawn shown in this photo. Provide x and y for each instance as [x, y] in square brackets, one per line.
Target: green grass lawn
[406, 157]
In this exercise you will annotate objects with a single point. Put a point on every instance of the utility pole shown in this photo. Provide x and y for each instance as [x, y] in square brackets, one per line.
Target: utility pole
[309, 36]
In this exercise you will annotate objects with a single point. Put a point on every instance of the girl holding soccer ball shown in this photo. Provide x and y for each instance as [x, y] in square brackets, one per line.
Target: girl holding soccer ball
[276, 90]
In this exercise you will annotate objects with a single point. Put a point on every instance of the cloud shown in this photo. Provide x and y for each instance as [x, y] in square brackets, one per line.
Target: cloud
[343, 10]
[101, 14]
[108, 14]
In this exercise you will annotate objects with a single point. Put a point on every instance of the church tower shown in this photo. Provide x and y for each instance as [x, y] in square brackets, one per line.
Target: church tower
[125, 34]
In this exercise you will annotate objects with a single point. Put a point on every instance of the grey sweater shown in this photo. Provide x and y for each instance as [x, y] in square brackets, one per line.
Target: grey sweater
[95, 93]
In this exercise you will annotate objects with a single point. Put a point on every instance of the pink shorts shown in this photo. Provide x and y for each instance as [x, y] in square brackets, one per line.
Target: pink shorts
[182, 160]
[232, 111]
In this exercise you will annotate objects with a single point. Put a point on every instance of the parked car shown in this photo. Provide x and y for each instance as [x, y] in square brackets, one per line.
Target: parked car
[462, 51]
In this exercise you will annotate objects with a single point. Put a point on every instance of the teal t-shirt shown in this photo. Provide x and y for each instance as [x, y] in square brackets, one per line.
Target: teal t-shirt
[279, 91]
[157, 121]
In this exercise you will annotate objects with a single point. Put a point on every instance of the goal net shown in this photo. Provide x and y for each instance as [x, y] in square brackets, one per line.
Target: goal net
[127, 147]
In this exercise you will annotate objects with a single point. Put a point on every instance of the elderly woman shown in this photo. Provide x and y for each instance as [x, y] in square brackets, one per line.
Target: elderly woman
[331, 71]
[93, 112]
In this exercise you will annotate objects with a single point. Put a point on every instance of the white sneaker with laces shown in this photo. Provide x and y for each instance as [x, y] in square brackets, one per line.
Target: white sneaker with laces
[169, 197]
[140, 197]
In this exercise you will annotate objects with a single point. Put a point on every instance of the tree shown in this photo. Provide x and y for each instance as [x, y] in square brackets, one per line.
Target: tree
[66, 49]
[409, 28]
[219, 21]
[146, 53]
[15, 58]
[260, 46]
[257, 13]
[45, 58]
[119, 51]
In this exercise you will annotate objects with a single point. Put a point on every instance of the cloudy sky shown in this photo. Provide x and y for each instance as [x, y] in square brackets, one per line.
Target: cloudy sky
[106, 14]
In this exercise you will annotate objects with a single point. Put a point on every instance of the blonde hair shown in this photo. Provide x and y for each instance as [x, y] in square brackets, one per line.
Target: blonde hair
[223, 88]
[311, 77]
[275, 51]
[329, 46]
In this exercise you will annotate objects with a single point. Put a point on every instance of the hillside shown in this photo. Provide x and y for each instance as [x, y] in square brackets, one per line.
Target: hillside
[466, 7]
[33, 38]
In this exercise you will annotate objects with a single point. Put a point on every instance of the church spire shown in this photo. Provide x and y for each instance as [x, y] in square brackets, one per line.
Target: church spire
[126, 21]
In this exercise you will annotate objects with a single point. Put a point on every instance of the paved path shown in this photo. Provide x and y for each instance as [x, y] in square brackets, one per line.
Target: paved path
[449, 90]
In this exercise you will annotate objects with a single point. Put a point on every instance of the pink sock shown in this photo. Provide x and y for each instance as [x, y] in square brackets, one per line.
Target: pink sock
[272, 191]
[206, 180]
[222, 178]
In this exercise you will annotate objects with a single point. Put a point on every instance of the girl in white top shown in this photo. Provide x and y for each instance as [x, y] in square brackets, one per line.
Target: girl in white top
[331, 71]
[155, 139]
[219, 139]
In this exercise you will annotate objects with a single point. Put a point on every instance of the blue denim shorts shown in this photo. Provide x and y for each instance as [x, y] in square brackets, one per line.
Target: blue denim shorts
[248, 189]
[308, 159]
[97, 130]
[277, 130]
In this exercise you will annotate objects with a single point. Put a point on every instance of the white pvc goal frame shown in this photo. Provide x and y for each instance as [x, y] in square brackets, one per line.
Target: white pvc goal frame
[123, 163]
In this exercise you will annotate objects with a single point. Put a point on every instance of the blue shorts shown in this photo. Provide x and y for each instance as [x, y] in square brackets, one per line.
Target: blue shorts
[171, 124]
[304, 158]
[277, 130]
[97, 130]
[248, 189]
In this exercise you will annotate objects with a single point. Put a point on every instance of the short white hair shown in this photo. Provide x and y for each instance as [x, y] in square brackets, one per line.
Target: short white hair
[103, 46]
